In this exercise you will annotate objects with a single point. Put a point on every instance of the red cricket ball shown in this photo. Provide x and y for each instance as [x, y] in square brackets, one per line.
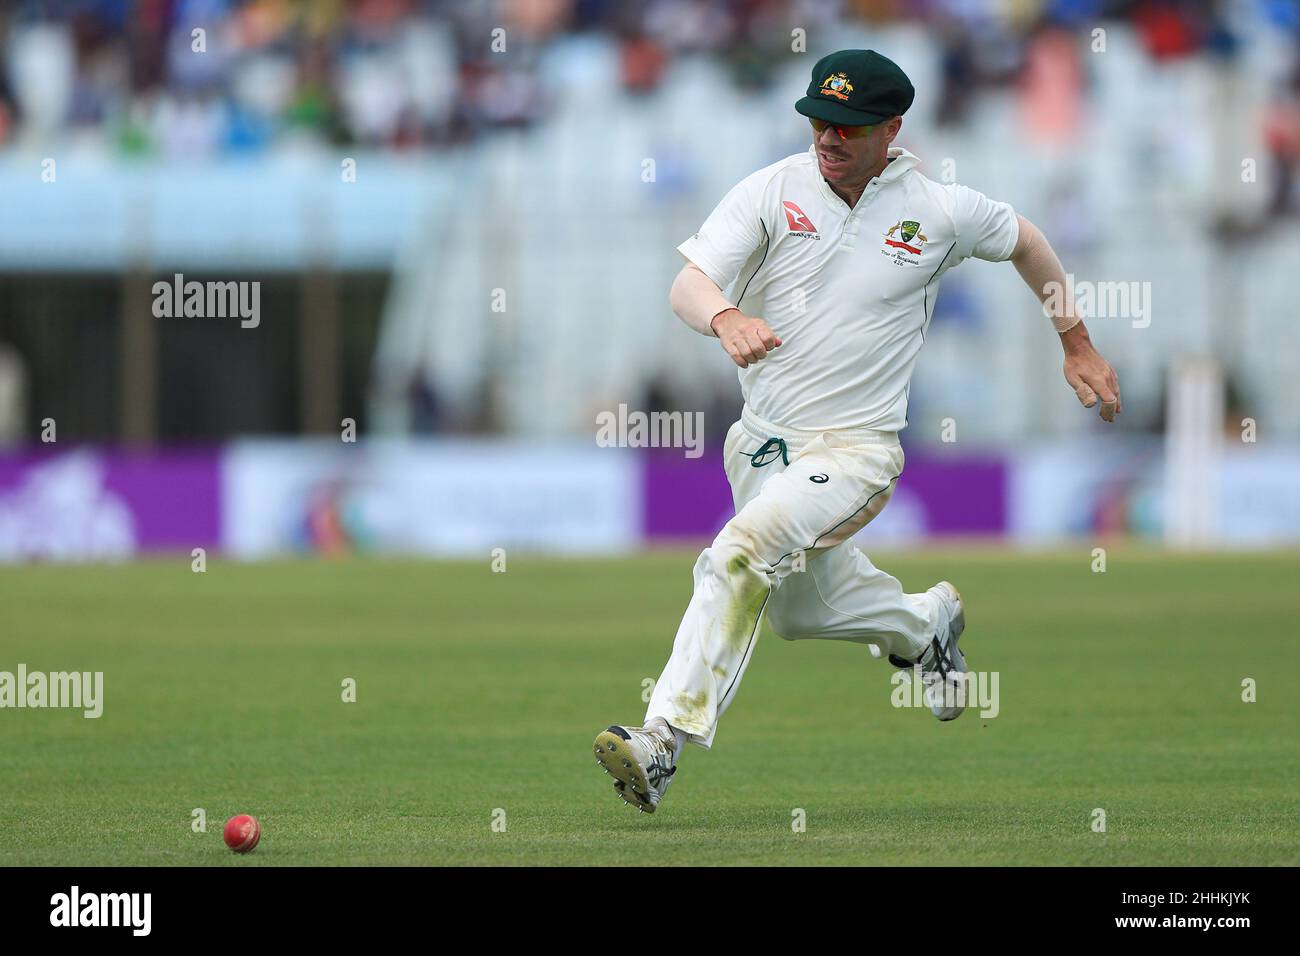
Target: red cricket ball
[242, 833]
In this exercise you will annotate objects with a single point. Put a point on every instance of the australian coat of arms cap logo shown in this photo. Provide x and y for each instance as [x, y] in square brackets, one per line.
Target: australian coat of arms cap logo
[837, 85]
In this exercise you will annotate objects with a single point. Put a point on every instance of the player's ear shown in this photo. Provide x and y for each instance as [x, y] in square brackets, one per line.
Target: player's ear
[892, 128]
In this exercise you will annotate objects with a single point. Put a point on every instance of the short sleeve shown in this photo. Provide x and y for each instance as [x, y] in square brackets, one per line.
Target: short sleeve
[985, 229]
[730, 235]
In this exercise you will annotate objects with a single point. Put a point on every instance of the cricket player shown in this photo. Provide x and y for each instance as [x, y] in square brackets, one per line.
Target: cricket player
[834, 258]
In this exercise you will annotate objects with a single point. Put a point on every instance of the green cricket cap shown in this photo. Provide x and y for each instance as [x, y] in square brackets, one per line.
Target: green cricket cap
[856, 88]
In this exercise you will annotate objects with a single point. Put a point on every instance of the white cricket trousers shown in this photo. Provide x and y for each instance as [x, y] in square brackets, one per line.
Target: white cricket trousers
[787, 556]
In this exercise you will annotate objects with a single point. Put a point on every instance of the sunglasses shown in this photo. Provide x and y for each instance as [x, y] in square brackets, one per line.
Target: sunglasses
[846, 132]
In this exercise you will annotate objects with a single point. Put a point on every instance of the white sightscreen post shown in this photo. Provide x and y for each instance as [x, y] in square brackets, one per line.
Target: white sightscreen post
[1193, 447]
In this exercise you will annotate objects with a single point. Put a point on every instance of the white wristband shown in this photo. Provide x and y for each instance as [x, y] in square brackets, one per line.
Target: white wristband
[1063, 323]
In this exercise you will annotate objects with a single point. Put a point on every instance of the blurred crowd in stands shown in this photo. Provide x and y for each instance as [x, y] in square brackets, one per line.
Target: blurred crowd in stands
[136, 77]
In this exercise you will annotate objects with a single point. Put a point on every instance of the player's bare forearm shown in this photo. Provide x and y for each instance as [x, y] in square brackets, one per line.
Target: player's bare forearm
[699, 303]
[1036, 261]
[696, 300]
[1085, 370]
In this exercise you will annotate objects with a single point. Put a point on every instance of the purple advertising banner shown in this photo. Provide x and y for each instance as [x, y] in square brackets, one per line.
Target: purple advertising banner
[86, 504]
[937, 495]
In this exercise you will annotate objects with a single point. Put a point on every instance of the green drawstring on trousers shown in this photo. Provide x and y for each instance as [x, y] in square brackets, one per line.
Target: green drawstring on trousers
[768, 452]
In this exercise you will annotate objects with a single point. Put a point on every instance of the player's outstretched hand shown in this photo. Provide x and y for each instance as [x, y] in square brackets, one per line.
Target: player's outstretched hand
[1089, 374]
[746, 338]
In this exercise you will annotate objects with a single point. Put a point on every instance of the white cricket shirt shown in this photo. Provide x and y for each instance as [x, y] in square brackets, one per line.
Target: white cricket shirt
[849, 292]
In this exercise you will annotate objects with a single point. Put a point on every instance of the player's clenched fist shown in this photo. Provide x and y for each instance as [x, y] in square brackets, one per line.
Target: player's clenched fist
[746, 338]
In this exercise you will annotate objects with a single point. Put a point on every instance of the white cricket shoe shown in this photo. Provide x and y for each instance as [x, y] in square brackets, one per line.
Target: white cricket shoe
[642, 761]
[943, 663]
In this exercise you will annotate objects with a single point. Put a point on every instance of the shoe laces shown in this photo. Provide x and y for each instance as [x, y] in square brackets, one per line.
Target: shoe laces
[939, 660]
[662, 762]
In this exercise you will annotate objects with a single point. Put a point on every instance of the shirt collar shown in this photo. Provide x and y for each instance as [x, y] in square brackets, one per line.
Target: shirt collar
[902, 162]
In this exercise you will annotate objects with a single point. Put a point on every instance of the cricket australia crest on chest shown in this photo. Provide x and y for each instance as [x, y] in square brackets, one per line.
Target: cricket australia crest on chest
[904, 242]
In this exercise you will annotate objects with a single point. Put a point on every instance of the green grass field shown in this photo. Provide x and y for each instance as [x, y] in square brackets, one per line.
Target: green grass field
[478, 691]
